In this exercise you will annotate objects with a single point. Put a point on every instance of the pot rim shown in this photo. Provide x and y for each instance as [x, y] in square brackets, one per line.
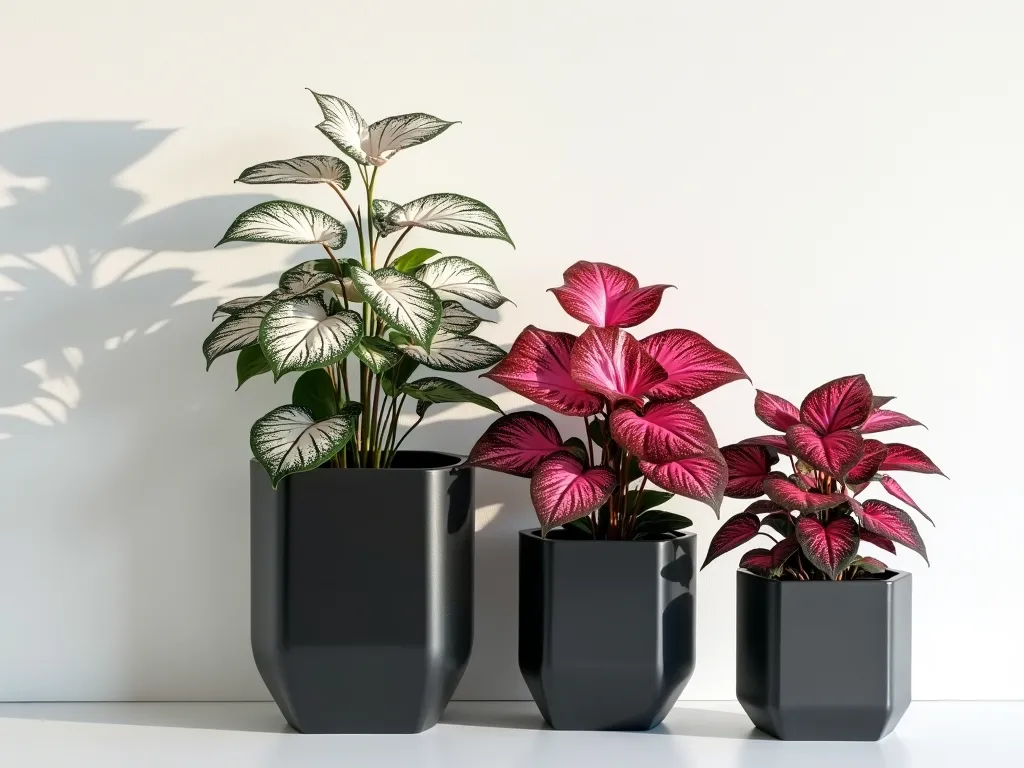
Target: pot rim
[893, 575]
[534, 535]
[456, 461]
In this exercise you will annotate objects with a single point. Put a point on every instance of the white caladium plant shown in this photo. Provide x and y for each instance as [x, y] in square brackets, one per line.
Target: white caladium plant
[352, 330]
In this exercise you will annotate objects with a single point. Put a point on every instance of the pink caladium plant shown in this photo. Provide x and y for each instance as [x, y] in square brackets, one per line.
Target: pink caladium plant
[814, 516]
[634, 398]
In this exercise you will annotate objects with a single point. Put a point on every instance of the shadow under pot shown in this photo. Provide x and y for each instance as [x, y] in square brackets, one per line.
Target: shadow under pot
[823, 660]
[362, 596]
[606, 628]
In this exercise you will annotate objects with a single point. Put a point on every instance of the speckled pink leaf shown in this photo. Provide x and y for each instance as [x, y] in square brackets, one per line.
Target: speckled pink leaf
[840, 404]
[563, 490]
[757, 560]
[909, 459]
[790, 497]
[892, 523]
[896, 490]
[871, 458]
[830, 547]
[882, 421]
[835, 453]
[604, 295]
[701, 478]
[516, 444]
[694, 365]
[775, 411]
[749, 466]
[663, 432]
[881, 542]
[737, 530]
[785, 549]
[611, 363]
[775, 442]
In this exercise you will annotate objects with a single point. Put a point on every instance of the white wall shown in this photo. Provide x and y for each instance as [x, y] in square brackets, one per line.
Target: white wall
[834, 187]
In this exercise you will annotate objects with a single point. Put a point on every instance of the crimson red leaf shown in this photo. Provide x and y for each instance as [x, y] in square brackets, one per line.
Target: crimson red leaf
[702, 478]
[871, 459]
[738, 529]
[694, 365]
[910, 459]
[840, 404]
[749, 465]
[881, 542]
[835, 453]
[785, 549]
[782, 522]
[829, 547]
[881, 421]
[516, 444]
[775, 411]
[604, 295]
[563, 490]
[788, 496]
[663, 432]
[895, 489]
[775, 442]
[763, 507]
[870, 564]
[757, 560]
[893, 523]
[612, 363]
[537, 367]
[877, 401]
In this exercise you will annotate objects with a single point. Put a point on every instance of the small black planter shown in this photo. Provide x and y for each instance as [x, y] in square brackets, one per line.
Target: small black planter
[362, 592]
[606, 629]
[821, 660]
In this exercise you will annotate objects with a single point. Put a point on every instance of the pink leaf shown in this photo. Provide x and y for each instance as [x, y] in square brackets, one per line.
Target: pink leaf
[701, 478]
[563, 490]
[836, 453]
[785, 549]
[516, 444]
[694, 365]
[840, 404]
[895, 489]
[878, 401]
[893, 523]
[763, 507]
[537, 367]
[663, 432]
[612, 363]
[870, 460]
[871, 564]
[881, 421]
[788, 496]
[881, 542]
[775, 442]
[757, 560]
[910, 459]
[829, 547]
[749, 465]
[776, 412]
[604, 295]
[738, 529]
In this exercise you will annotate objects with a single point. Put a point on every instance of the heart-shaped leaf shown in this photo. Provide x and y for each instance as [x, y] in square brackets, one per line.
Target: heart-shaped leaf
[693, 365]
[604, 295]
[840, 404]
[784, 550]
[234, 306]
[881, 542]
[882, 421]
[437, 390]
[639, 502]
[238, 331]
[289, 440]
[403, 302]
[412, 260]
[737, 530]
[892, 523]
[749, 466]
[663, 432]
[516, 444]
[447, 213]
[344, 126]
[835, 453]
[562, 489]
[392, 134]
[869, 565]
[315, 392]
[281, 221]
[879, 401]
[610, 362]
[763, 507]
[775, 443]
[538, 368]
[830, 547]
[871, 458]
[702, 478]
[790, 497]
[904, 457]
[456, 276]
[896, 490]
[308, 169]
[379, 354]
[775, 411]
[455, 318]
[757, 560]
[305, 277]
[298, 334]
[658, 521]
[783, 522]
[251, 362]
[453, 353]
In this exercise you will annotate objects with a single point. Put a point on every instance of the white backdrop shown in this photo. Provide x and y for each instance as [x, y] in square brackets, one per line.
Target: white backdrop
[833, 187]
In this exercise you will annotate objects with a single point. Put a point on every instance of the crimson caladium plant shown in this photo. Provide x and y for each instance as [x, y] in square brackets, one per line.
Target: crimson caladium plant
[814, 515]
[634, 397]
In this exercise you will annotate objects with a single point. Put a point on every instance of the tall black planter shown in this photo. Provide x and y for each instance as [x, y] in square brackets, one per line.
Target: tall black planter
[606, 629]
[823, 660]
[362, 596]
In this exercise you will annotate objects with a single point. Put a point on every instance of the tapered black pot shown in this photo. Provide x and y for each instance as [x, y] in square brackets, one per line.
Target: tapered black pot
[362, 592]
[606, 628]
[823, 660]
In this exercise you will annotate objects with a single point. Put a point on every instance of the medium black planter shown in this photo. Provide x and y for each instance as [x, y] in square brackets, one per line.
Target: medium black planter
[823, 660]
[606, 629]
[362, 592]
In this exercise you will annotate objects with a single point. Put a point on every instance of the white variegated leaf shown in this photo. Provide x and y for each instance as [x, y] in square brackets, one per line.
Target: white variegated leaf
[392, 134]
[298, 334]
[383, 211]
[437, 390]
[451, 214]
[234, 306]
[307, 276]
[288, 440]
[281, 221]
[238, 331]
[378, 354]
[461, 277]
[344, 126]
[308, 169]
[454, 353]
[455, 318]
[402, 301]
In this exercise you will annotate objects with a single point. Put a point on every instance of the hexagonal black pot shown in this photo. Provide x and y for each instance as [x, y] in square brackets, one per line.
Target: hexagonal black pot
[362, 592]
[606, 628]
[823, 660]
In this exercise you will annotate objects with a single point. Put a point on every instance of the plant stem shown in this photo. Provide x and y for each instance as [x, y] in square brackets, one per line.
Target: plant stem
[369, 220]
[408, 432]
[590, 443]
[356, 218]
[337, 266]
[394, 247]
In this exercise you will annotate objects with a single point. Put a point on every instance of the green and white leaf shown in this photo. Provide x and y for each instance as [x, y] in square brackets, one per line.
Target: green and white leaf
[307, 276]
[395, 378]
[457, 276]
[454, 353]
[238, 331]
[382, 212]
[455, 318]
[393, 134]
[378, 354]
[307, 169]
[344, 126]
[402, 301]
[412, 260]
[282, 221]
[314, 391]
[289, 440]
[437, 390]
[451, 214]
[234, 306]
[298, 334]
[251, 362]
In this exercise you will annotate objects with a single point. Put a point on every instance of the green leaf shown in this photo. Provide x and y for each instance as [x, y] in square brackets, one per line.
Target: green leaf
[307, 169]
[238, 331]
[597, 429]
[450, 214]
[456, 276]
[314, 391]
[251, 362]
[378, 354]
[868, 564]
[381, 212]
[422, 406]
[633, 470]
[281, 221]
[402, 301]
[437, 390]
[395, 378]
[578, 448]
[649, 499]
[455, 318]
[578, 529]
[307, 276]
[455, 354]
[659, 521]
[298, 334]
[289, 440]
[409, 262]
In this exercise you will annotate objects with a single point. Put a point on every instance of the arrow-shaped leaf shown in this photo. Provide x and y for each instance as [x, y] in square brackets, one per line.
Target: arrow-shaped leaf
[830, 547]
[450, 214]
[404, 303]
[455, 318]
[307, 169]
[379, 354]
[238, 331]
[456, 276]
[281, 221]
[453, 353]
[299, 334]
[289, 440]
[437, 390]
